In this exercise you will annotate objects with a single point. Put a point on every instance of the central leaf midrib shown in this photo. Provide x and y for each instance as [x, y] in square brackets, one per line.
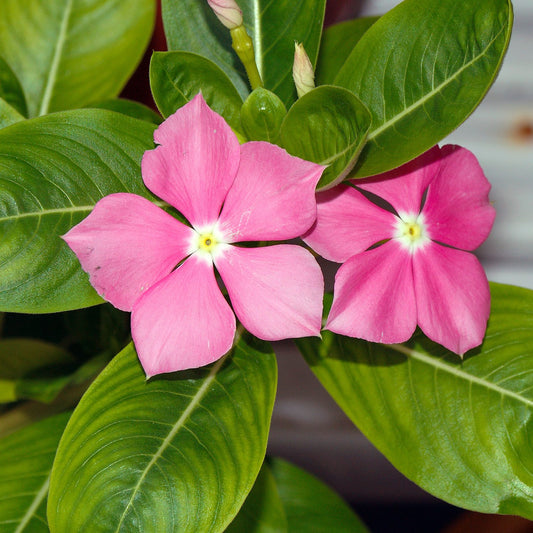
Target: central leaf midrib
[390, 123]
[54, 65]
[459, 373]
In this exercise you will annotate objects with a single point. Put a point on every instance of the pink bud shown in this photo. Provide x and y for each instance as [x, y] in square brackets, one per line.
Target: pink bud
[228, 12]
[302, 71]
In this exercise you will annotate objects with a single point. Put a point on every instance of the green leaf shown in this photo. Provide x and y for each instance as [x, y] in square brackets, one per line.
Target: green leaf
[421, 69]
[262, 512]
[462, 430]
[328, 125]
[337, 43]
[310, 505]
[8, 115]
[69, 53]
[274, 27]
[26, 458]
[53, 170]
[129, 108]
[262, 115]
[175, 453]
[24, 363]
[177, 77]
[10, 89]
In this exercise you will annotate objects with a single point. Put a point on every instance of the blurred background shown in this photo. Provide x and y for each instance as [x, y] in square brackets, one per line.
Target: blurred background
[307, 427]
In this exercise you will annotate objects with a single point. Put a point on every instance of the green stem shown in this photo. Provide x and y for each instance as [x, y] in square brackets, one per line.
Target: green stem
[243, 45]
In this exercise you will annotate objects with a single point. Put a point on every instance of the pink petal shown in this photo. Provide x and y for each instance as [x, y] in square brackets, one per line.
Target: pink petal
[457, 209]
[347, 224]
[183, 321]
[272, 197]
[276, 291]
[195, 164]
[374, 297]
[452, 295]
[126, 245]
[404, 187]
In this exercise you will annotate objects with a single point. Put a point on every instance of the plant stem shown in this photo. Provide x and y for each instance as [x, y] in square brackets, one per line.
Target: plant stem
[243, 45]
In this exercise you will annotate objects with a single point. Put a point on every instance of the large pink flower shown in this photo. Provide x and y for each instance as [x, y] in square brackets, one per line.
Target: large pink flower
[405, 262]
[229, 193]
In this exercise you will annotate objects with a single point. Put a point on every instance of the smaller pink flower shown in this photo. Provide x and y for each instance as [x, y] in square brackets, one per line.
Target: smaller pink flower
[143, 260]
[405, 255]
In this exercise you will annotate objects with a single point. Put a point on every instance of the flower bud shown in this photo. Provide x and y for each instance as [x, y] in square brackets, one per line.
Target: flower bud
[228, 12]
[302, 71]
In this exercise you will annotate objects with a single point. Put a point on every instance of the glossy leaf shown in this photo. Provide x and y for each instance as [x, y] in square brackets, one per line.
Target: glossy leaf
[421, 69]
[191, 26]
[24, 365]
[337, 43]
[328, 125]
[129, 108]
[262, 512]
[177, 77]
[10, 89]
[310, 505]
[69, 53]
[52, 172]
[262, 115]
[26, 458]
[462, 430]
[176, 453]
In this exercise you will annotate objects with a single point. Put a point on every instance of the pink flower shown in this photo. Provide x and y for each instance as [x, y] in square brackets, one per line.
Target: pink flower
[404, 263]
[143, 260]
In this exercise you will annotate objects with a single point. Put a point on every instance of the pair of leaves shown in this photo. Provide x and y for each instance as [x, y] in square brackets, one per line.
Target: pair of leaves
[460, 429]
[69, 53]
[327, 125]
[173, 454]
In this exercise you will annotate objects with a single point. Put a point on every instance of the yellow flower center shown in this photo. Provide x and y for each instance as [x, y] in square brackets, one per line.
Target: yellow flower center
[207, 242]
[411, 231]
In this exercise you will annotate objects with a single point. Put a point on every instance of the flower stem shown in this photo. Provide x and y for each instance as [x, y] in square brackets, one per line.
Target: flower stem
[243, 45]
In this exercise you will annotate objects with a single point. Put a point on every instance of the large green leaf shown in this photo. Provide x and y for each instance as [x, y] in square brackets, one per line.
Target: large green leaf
[53, 170]
[274, 27]
[26, 458]
[422, 69]
[177, 77]
[462, 430]
[310, 505]
[129, 108]
[69, 53]
[175, 453]
[328, 125]
[337, 44]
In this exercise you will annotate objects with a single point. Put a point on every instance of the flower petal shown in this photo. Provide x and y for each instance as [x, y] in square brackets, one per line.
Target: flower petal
[183, 321]
[374, 297]
[404, 187]
[195, 164]
[452, 295]
[276, 291]
[347, 224]
[457, 209]
[126, 245]
[272, 197]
